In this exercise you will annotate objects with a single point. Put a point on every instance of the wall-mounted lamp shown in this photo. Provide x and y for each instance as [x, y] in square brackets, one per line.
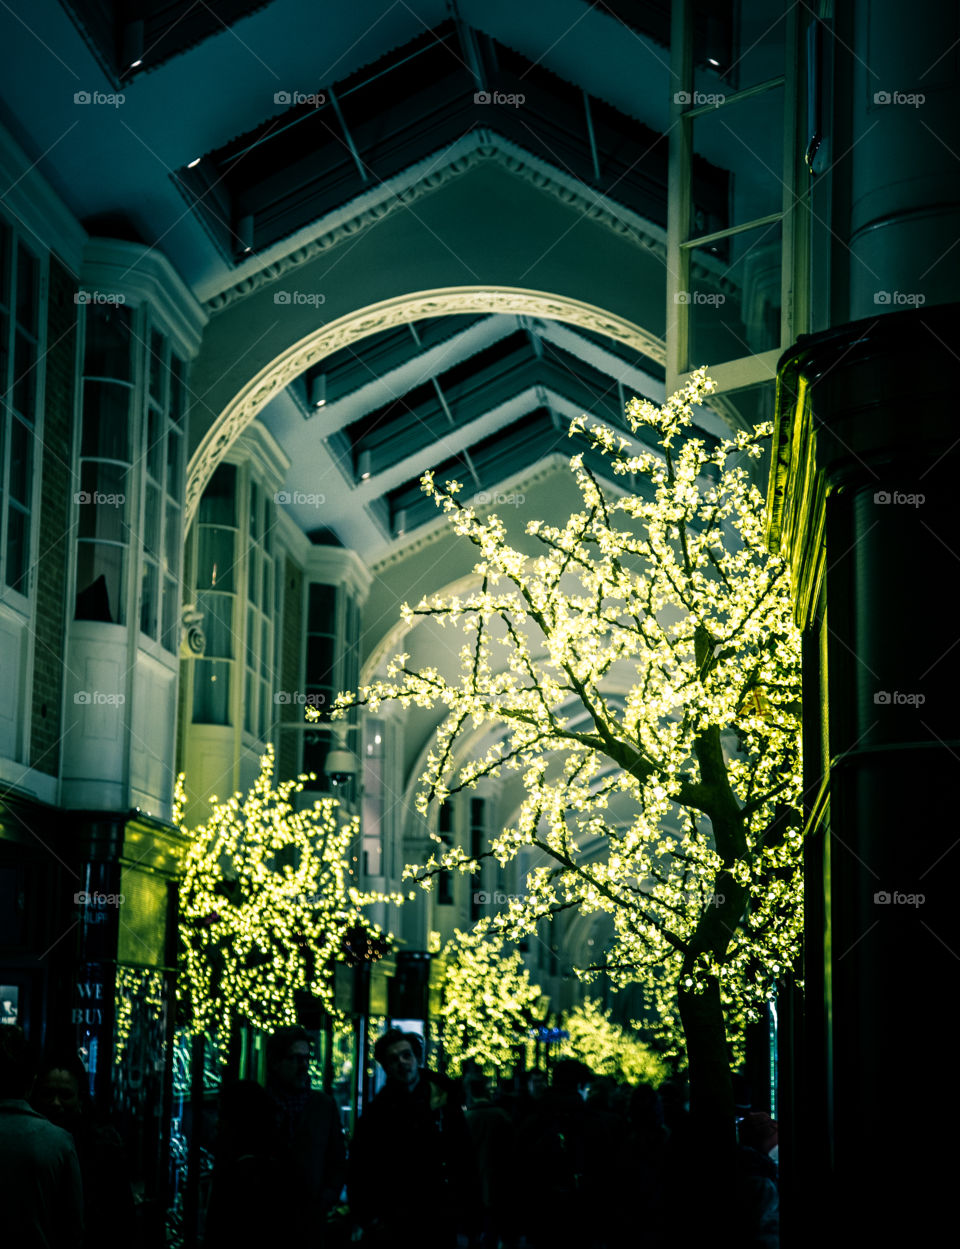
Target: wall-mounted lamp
[364, 465]
[341, 764]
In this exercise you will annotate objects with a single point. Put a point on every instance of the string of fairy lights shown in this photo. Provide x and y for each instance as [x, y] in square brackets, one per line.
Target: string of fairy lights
[670, 581]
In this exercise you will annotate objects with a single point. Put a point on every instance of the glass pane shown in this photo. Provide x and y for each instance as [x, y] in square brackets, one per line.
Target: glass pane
[171, 540]
[154, 448]
[148, 599]
[4, 351]
[157, 367]
[151, 520]
[218, 505]
[215, 558]
[249, 704]
[177, 389]
[267, 599]
[24, 375]
[251, 639]
[18, 549]
[28, 276]
[320, 661]
[211, 692]
[253, 578]
[108, 341]
[6, 238]
[738, 44]
[255, 527]
[744, 144]
[217, 623]
[106, 420]
[171, 615]
[316, 744]
[102, 500]
[734, 300]
[266, 648]
[21, 458]
[174, 484]
[99, 582]
[321, 612]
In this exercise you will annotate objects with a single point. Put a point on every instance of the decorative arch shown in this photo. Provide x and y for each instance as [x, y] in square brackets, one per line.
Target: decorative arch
[351, 328]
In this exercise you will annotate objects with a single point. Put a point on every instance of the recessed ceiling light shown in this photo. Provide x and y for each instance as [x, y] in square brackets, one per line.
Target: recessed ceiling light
[194, 163]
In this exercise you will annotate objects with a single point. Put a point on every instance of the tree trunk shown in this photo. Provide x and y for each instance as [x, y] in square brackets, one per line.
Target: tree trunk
[709, 1158]
[708, 1056]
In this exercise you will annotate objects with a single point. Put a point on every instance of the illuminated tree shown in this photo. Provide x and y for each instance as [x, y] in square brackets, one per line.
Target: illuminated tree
[608, 1049]
[640, 670]
[265, 901]
[489, 1003]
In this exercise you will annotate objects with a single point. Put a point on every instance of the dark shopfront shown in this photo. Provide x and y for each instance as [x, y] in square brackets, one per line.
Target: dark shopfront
[87, 957]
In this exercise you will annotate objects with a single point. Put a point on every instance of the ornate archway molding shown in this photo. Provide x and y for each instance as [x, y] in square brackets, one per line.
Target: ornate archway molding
[350, 329]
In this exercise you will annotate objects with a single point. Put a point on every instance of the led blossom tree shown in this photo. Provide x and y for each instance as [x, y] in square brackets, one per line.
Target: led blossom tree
[641, 673]
[489, 1002]
[606, 1048]
[265, 900]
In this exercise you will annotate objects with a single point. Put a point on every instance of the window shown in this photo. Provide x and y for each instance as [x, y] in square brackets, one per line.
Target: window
[217, 545]
[445, 831]
[106, 458]
[131, 457]
[19, 358]
[331, 665]
[735, 119]
[257, 709]
[477, 830]
[163, 491]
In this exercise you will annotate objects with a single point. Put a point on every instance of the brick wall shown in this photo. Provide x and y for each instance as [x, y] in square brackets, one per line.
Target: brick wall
[56, 490]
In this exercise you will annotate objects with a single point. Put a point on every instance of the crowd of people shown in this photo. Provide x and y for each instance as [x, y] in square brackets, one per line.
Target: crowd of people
[579, 1159]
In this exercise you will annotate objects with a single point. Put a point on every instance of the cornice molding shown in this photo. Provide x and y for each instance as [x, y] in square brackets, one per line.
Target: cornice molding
[33, 203]
[480, 148]
[338, 565]
[143, 274]
[255, 445]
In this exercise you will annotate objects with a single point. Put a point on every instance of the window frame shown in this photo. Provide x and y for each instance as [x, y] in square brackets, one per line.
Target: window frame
[748, 369]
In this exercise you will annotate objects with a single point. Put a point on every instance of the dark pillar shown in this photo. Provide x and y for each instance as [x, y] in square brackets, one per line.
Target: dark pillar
[864, 502]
